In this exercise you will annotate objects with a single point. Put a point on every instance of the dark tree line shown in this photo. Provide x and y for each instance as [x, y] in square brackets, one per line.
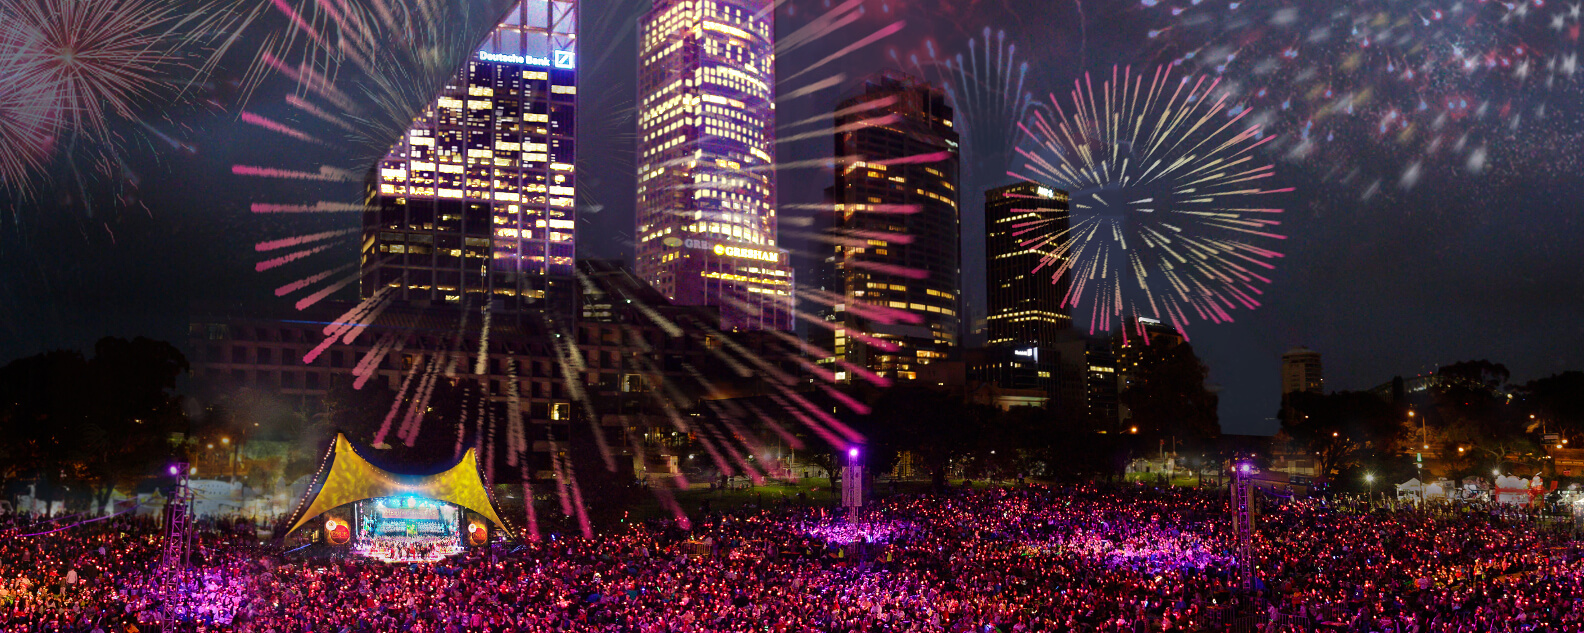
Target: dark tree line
[91, 424]
[1469, 417]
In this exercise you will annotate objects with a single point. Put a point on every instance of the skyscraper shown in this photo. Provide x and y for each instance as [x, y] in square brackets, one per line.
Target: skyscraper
[475, 201]
[706, 221]
[1301, 371]
[888, 260]
[1026, 346]
[1024, 306]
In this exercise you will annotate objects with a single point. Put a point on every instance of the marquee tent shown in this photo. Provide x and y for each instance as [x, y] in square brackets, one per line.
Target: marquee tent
[346, 477]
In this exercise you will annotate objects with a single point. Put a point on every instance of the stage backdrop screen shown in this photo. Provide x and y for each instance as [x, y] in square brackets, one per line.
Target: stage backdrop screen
[408, 529]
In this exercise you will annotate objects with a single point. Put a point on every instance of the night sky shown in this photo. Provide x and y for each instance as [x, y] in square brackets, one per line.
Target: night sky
[1402, 252]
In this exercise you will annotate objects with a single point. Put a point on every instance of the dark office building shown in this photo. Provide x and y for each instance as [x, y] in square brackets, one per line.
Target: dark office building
[1024, 306]
[887, 261]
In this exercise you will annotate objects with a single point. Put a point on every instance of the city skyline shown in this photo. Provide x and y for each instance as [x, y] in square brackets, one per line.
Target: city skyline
[1392, 294]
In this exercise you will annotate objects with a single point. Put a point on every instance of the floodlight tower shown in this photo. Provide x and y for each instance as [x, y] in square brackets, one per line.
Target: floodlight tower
[177, 548]
[852, 482]
[1243, 520]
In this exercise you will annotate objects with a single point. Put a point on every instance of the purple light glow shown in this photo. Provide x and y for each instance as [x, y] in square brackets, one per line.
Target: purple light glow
[172, 470]
[852, 453]
[842, 533]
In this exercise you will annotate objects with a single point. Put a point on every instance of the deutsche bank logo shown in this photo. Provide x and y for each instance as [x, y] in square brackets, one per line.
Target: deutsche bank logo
[564, 59]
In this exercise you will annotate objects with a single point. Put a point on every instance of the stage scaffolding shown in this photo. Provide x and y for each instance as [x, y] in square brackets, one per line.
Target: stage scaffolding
[176, 552]
[1243, 522]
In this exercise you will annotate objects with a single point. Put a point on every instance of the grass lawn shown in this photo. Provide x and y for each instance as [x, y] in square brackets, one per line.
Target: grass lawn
[1149, 478]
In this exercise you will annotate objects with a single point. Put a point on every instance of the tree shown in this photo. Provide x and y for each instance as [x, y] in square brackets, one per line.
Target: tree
[1476, 372]
[936, 427]
[1558, 400]
[1342, 429]
[1166, 394]
[103, 423]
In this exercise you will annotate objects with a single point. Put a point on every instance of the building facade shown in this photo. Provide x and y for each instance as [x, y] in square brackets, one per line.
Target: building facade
[1024, 307]
[706, 209]
[886, 262]
[475, 203]
[1301, 371]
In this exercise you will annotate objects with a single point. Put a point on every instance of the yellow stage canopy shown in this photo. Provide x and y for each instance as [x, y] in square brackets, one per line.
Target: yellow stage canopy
[345, 477]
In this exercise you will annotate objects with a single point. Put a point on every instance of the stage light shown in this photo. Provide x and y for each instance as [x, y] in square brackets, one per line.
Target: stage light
[172, 470]
[852, 453]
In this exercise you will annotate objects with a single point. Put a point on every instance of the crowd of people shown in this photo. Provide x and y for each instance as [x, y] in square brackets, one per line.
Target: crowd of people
[1014, 560]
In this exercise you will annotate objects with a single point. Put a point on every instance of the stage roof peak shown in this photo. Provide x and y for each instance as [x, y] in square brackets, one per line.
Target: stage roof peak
[345, 476]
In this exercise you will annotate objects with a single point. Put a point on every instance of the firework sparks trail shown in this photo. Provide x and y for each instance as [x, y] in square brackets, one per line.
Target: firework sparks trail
[1161, 175]
[382, 348]
[516, 438]
[390, 416]
[420, 406]
[27, 122]
[352, 320]
[318, 207]
[280, 128]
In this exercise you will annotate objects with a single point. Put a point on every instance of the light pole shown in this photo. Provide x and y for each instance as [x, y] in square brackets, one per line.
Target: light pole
[852, 482]
[230, 458]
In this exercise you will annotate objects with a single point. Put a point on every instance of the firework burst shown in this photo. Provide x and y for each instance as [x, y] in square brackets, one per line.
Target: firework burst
[74, 71]
[1167, 205]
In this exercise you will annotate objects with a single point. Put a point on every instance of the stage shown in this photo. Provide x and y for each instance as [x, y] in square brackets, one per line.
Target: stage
[353, 508]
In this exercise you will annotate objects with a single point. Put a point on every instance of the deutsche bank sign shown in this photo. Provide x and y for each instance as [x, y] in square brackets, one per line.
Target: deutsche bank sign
[1031, 353]
[563, 59]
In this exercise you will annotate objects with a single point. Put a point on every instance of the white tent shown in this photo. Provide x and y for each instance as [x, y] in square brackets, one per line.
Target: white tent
[1513, 490]
[1411, 488]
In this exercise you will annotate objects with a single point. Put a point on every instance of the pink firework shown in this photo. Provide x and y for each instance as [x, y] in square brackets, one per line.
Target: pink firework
[96, 57]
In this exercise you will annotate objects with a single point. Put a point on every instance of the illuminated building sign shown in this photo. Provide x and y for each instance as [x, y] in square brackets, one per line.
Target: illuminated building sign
[563, 59]
[1045, 192]
[734, 251]
[1030, 353]
[747, 253]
